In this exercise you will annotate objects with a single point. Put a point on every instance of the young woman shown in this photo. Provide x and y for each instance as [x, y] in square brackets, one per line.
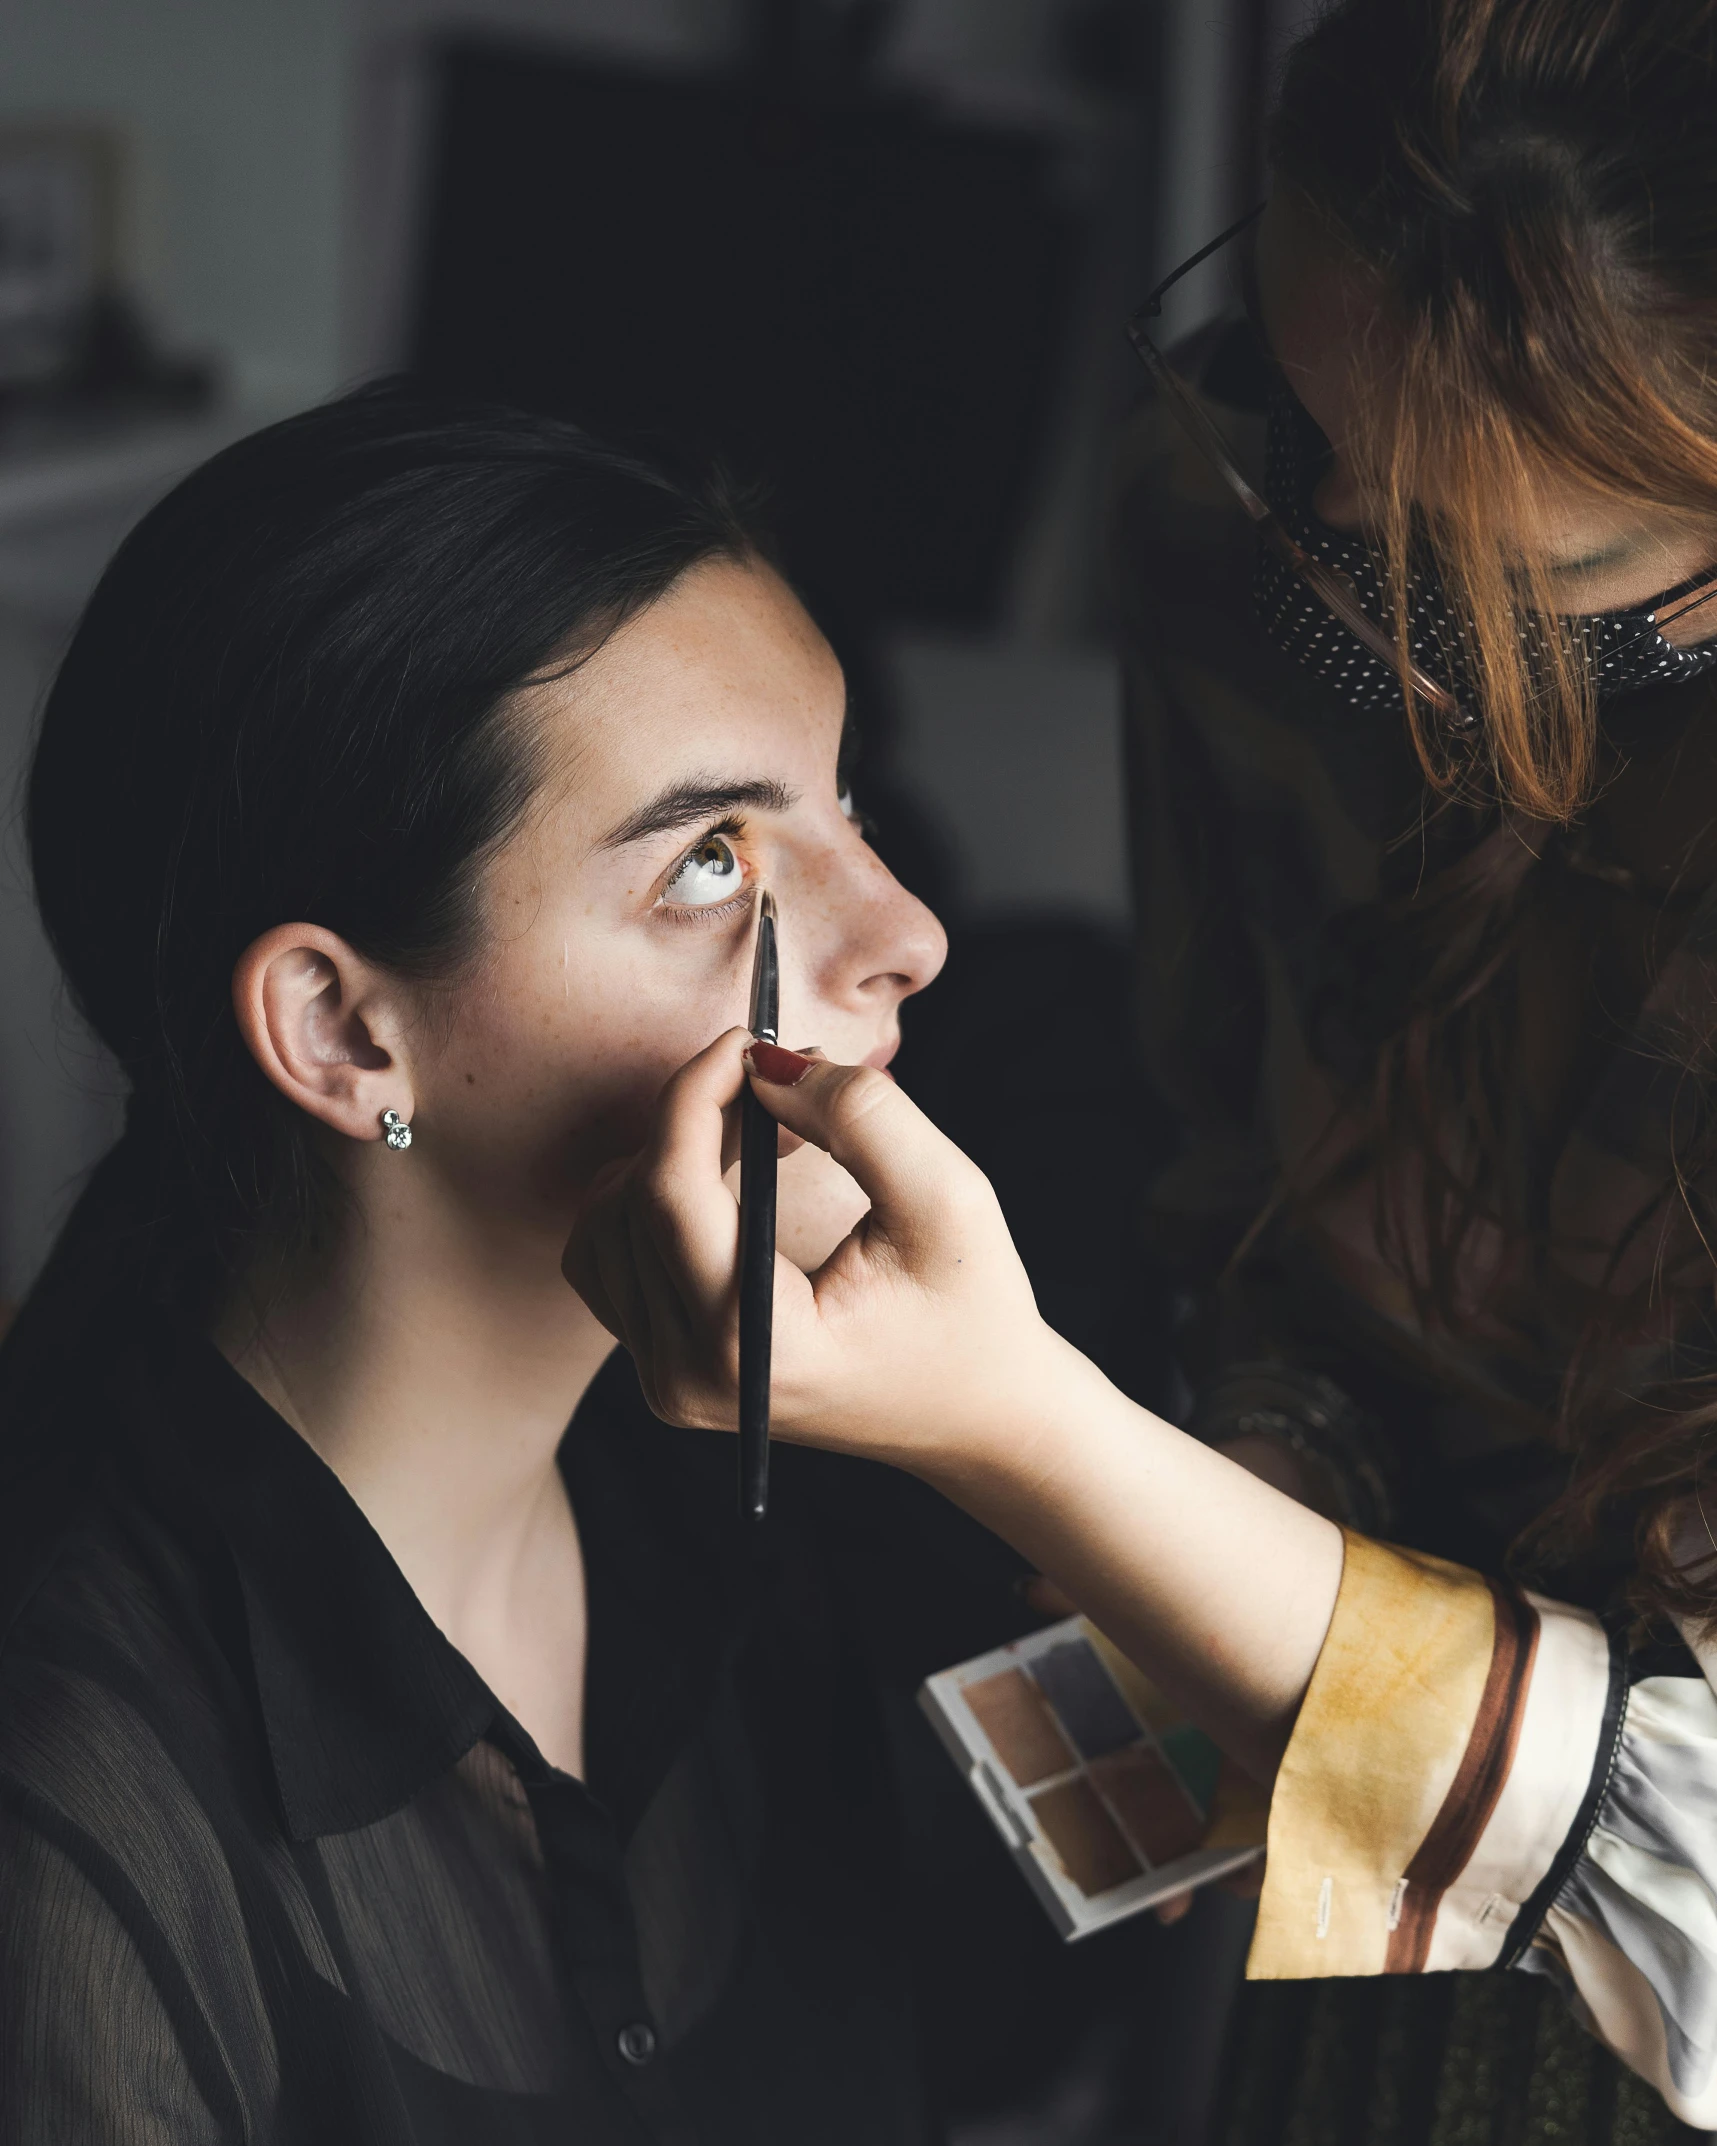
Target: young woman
[377, 1760]
[1425, 941]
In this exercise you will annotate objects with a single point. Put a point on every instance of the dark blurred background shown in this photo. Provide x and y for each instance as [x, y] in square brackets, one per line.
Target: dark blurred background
[879, 253]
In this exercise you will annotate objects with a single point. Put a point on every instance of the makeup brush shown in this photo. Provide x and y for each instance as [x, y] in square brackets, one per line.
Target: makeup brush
[758, 1136]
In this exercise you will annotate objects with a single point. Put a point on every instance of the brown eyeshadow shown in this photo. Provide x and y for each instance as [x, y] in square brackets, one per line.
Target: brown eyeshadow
[1083, 1834]
[1010, 1711]
[1150, 1804]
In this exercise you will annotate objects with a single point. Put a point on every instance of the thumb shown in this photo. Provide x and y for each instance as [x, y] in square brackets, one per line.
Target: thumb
[908, 1169]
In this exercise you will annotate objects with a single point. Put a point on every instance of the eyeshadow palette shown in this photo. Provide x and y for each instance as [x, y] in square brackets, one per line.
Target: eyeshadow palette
[1106, 1798]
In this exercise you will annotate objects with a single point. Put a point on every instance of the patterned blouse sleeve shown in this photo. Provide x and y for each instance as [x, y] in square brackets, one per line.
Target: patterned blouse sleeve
[92, 2045]
[1481, 1777]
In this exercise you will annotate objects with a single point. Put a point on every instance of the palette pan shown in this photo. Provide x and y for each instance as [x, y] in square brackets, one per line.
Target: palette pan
[1106, 1799]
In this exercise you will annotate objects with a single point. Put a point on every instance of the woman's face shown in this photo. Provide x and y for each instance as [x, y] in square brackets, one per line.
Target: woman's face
[1602, 555]
[691, 763]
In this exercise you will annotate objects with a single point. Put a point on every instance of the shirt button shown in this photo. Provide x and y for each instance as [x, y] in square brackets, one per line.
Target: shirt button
[637, 2042]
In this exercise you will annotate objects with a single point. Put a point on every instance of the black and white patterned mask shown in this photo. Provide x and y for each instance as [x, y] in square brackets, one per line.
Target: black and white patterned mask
[1624, 647]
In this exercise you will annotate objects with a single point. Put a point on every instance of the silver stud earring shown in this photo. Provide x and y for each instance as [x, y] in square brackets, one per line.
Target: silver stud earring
[395, 1130]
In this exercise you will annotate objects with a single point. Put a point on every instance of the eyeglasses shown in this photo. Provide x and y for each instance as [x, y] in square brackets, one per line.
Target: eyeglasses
[1331, 588]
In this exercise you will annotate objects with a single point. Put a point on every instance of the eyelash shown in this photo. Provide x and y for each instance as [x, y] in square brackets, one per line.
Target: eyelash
[732, 830]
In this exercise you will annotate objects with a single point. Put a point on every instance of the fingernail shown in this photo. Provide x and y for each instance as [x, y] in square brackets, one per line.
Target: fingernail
[782, 1069]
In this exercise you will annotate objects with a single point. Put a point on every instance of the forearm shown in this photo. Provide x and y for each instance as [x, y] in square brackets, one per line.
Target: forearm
[1215, 1583]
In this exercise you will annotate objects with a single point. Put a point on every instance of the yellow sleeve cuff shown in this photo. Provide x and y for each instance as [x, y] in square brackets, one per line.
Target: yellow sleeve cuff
[1383, 1730]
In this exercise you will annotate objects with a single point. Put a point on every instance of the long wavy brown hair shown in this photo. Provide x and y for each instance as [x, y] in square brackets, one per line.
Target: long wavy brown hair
[1530, 187]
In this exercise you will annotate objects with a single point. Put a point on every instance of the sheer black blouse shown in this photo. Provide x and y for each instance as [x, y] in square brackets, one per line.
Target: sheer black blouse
[275, 1864]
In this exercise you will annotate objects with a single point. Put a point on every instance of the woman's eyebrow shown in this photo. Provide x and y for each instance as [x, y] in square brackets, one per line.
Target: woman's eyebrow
[684, 802]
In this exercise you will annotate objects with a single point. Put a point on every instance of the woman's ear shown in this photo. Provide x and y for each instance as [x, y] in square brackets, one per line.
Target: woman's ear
[325, 1026]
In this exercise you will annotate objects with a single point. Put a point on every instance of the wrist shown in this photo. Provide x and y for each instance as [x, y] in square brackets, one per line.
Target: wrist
[1018, 1436]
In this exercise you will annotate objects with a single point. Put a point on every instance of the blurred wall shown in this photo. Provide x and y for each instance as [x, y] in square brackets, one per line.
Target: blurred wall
[271, 140]
[233, 118]
[1221, 60]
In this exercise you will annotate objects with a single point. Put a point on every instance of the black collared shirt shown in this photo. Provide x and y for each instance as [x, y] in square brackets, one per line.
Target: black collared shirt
[276, 1865]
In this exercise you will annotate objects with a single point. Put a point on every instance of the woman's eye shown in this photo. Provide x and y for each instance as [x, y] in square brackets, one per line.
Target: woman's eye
[845, 800]
[708, 875]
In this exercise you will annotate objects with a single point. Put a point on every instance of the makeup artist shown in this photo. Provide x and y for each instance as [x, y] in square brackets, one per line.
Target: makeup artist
[1425, 788]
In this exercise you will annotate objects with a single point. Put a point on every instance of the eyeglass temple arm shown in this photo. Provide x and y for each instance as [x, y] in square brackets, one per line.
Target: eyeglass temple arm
[1198, 421]
[1153, 305]
[1695, 600]
[1332, 588]
[1210, 437]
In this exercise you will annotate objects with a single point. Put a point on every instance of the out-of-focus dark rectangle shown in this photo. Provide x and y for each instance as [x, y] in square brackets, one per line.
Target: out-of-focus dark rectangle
[859, 300]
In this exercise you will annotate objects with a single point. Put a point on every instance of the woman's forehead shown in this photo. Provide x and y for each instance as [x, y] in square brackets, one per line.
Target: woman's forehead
[729, 638]
[724, 671]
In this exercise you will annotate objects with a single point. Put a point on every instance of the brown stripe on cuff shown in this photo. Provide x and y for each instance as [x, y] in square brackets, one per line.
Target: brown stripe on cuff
[1466, 1810]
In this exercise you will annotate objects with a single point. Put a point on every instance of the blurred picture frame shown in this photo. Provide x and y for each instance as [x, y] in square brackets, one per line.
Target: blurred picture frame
[59, 187]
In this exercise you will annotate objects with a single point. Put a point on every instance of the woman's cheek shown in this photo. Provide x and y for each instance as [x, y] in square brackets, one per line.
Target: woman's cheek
[608, 1106]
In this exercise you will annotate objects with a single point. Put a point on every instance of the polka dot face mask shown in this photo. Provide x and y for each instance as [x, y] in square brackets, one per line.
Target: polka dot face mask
[1625, 648]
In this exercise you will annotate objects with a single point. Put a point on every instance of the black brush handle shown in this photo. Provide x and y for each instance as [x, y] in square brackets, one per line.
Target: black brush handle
[758, 1138]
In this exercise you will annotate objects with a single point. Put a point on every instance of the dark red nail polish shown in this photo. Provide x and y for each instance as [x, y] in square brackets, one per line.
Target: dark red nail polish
[782, 1069]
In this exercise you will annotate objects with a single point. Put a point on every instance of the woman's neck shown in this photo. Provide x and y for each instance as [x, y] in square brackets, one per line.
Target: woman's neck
[435, 1369]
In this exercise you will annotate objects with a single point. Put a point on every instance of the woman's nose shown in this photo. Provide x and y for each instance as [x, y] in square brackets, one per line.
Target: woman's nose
[882, 943]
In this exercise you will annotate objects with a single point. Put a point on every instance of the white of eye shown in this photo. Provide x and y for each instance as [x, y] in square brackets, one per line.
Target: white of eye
[708, 875]
[845, 801]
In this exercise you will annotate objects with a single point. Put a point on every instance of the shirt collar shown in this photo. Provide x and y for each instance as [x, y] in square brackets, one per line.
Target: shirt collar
[363, 1699]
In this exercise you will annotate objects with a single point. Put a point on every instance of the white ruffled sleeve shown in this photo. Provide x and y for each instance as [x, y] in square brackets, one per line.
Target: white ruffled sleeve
[1482, 1778]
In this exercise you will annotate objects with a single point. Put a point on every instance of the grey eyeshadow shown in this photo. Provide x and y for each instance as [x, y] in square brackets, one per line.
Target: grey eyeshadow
[1081, 1691]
